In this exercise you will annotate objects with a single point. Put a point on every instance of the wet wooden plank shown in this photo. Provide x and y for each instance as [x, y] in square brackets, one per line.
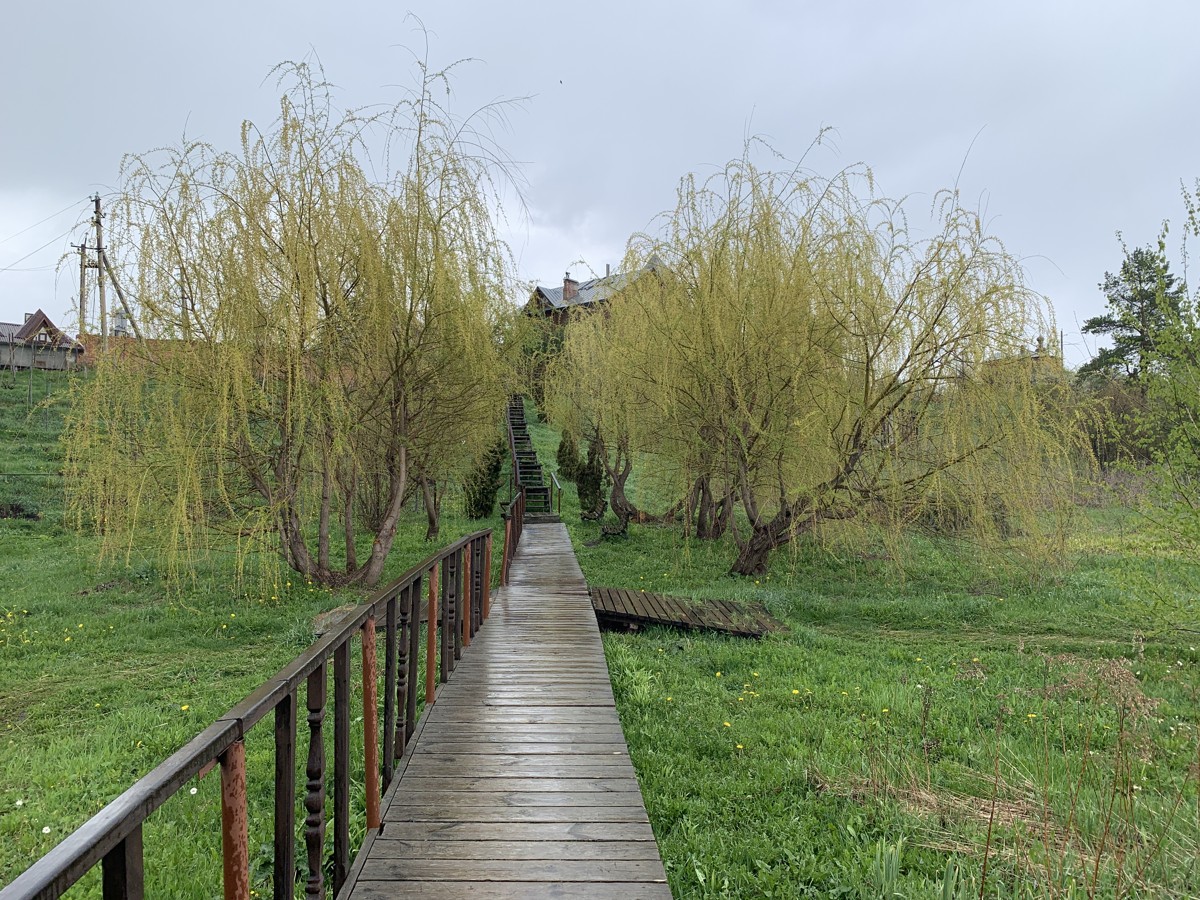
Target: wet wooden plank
[510, 815]
[513, 890]
[450, 798]
[577, 850]
[509, 783]
[556, 871]
[519, 831]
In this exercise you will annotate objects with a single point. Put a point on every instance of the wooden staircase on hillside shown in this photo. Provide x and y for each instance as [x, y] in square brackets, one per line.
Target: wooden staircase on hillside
[527, 471]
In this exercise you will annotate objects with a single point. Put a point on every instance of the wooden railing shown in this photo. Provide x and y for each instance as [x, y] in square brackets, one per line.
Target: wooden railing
[555, 494]
[457, 597]
[514, 523]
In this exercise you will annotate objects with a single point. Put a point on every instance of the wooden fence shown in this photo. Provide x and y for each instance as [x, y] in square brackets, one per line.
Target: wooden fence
[457, 593]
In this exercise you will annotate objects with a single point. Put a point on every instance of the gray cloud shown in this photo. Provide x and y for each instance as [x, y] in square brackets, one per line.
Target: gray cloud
[1078, 113]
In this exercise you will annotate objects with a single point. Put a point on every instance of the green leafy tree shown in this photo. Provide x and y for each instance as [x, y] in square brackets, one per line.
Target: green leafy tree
[800, 351]
[567, 457]
[1142, 299]
[340, 332]
[482, 485]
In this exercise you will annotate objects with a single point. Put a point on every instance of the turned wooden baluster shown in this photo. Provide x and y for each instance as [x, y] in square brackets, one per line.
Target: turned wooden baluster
[341, 765]
[446, 621]
[389, 691]
[431, 638]
[400, 736]
[456, 604]
[314, 799]
[414, 649]
[466, 603]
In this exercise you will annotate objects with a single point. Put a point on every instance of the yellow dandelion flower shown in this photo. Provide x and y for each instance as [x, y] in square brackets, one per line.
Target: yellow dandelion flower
[726, 724]
[795, 691]
[718, 674]
[669, 699]
[1031, 716]
[184, 708]
[739, 746]
[885, 709]
[755, 674]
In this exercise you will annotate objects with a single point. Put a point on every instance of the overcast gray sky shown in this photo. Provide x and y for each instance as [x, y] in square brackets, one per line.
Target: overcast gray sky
[1070, 121]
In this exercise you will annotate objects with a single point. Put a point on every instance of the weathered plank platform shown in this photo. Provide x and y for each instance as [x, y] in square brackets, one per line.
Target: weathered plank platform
[518, 783]
[618, 606]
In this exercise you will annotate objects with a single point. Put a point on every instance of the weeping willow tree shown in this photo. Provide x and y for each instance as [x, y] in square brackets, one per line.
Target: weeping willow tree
[798, 351]
[315, 334]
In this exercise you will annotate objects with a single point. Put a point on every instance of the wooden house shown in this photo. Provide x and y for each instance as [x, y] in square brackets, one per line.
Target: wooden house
[37, 343]
[559, 303]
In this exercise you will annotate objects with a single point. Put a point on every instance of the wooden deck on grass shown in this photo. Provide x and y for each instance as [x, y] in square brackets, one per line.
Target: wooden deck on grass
[618, 606]
[518, 782]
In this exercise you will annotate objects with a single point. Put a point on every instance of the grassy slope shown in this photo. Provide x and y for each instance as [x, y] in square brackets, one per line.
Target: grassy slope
[103, 673]
[858, 754]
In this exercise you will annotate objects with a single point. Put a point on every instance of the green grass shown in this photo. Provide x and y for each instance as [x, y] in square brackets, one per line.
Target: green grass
[105, 671]
[915, 700]
[924, 690]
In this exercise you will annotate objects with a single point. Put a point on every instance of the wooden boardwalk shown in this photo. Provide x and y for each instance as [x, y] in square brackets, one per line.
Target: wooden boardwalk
[518, 782]
[617, 606]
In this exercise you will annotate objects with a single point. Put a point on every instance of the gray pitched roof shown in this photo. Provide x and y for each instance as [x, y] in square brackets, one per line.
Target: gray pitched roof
[597, 290]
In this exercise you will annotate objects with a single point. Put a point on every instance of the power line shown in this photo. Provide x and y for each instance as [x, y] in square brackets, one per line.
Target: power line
[72, 205]
[16, 263]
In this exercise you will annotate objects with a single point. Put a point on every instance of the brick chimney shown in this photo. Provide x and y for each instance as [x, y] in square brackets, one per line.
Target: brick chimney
[570, 288]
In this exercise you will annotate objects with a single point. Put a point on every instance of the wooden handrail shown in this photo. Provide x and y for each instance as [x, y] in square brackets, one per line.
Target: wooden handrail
[113, 837]
[514, 520]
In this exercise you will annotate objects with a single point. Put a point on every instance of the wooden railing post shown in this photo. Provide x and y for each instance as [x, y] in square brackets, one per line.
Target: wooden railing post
[122, 873]
[284, 870]
[445, 638]
[235, 834]
[504, 559]
[431, 638]
[370, 723]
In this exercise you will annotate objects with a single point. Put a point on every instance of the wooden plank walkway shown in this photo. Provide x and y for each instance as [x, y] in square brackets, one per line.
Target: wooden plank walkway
[618, 606]
[518, 783]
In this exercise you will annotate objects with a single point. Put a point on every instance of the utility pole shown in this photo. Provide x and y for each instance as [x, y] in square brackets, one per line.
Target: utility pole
[82, 248]
[97, 220]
